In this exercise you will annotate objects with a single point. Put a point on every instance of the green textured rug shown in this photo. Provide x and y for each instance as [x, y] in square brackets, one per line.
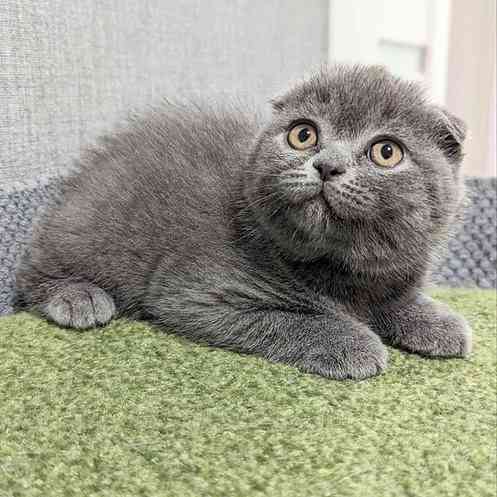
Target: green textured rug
[127, 411]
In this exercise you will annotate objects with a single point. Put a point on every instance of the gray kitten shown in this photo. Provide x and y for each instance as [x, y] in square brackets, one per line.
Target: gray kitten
[305, 240]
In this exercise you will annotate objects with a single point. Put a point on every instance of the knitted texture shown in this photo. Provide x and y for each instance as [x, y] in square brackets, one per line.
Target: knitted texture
[470, 260]
[127, 411]
[471, 256]
[18, 208]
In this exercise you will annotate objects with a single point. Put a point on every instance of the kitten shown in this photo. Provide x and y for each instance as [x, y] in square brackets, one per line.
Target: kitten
[305, 240]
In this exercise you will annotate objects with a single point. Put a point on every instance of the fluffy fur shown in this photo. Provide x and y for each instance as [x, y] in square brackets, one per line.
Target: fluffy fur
[205, 221]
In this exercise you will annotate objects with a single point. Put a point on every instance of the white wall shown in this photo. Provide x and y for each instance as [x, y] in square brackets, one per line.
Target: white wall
[411, 38]
[472, 82]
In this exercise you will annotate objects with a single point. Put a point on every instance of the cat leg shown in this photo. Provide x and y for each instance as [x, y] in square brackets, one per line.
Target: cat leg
[329, 346]
[425, 327]
[333, 345]
[223, 302]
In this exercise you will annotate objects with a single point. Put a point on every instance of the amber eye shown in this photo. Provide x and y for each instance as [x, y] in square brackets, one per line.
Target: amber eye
[303, 136]
[386, 153]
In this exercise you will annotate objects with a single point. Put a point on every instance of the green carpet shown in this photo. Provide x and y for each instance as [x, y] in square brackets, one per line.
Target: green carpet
[127, 411]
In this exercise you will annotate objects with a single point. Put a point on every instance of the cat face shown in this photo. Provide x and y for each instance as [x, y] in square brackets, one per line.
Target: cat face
[357, 166]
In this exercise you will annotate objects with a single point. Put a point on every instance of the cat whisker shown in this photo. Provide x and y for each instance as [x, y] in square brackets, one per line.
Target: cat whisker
[260, 201]
[293, 175]
[298, 183]
[283, 174]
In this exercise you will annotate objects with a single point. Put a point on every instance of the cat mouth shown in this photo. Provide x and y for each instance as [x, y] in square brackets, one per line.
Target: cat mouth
[347, 203]
[316, 195]
[328, 205]
[321, 197]
[338, 202]
[300, 193]
[330, 195]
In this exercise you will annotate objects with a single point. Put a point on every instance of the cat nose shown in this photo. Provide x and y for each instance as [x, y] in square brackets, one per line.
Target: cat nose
[327, 170]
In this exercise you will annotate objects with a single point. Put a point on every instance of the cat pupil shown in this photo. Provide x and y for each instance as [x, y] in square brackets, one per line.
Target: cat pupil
[304, 135]
[386, 151]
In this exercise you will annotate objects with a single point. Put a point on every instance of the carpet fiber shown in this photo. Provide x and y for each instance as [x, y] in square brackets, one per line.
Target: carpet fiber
[127, 411]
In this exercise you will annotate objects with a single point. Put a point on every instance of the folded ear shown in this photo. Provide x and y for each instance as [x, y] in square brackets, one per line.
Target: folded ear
[451, 133]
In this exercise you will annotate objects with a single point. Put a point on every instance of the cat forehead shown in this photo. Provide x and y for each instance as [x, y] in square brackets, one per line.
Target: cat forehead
[354, 96]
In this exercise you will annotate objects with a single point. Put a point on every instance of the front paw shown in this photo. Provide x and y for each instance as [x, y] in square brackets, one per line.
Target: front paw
[351, 356]
[446, 335]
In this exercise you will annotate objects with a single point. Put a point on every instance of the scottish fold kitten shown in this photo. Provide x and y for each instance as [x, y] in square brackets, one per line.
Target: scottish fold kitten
[304, 239]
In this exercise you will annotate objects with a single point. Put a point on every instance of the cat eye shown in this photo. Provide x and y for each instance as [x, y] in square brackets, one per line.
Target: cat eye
[386, 153]
[303, 136]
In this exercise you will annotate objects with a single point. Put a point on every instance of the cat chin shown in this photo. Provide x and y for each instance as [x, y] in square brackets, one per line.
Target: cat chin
[319, 206]
[309, 231]
[350, 257]
[325, 216]
[315, 230]
[344, 253]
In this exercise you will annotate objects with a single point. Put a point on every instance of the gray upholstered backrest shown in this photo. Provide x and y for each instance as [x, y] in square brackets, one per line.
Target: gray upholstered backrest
[70, 69]
[470, 261]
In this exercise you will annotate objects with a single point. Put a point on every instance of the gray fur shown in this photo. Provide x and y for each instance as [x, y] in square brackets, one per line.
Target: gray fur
[205, 221]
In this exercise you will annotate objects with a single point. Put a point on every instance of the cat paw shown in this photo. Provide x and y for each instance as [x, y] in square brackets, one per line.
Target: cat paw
[446, 336]
[80, 305]
[351, 356]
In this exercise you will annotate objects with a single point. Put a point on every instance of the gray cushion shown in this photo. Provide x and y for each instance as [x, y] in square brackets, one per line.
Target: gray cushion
[471, 259]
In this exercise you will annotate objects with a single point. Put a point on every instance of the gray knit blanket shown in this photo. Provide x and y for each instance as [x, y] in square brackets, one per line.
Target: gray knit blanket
[470, 260]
